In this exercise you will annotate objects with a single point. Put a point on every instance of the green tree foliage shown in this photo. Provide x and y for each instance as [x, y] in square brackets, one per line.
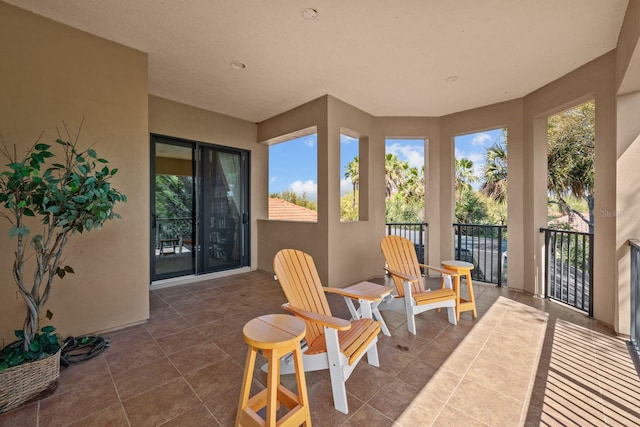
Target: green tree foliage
[352, 173]
[297, 199]
[494, 172]
[69, 196]
[571, 151]
[349, 211]
[174, 196]
[471, 208]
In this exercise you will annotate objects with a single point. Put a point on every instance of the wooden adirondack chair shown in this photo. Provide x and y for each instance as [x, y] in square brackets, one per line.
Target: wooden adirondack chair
[331, 343]
[402, 264]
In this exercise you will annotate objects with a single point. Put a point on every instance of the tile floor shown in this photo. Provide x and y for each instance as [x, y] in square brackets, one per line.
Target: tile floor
[524, 361]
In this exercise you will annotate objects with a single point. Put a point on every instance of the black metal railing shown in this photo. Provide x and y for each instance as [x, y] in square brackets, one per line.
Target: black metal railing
[416, 232]
[173, 228]
[569, 268]
[634, 338]
[485, 246]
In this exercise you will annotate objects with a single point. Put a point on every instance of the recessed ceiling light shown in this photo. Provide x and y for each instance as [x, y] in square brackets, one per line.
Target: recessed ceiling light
[310, 13]
[238, 65]
[452, 79]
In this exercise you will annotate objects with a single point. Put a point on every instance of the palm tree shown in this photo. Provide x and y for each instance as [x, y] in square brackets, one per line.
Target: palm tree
[463, 175]
[571, 150]
[352, 172]
[494, 173]
[394, 171]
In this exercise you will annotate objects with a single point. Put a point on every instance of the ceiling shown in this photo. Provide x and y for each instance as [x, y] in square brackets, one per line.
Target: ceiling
[388, 58]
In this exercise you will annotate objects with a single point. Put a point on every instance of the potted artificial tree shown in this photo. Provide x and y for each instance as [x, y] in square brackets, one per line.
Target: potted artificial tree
[59, 197]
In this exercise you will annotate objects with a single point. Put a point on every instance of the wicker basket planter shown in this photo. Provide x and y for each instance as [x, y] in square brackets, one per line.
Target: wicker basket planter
[28, 381]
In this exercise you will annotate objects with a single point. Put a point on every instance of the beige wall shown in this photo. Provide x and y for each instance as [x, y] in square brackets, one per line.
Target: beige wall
[172, 118]
[311, 237]
[594, 80]
[628, 157]
[51, 73]
[628, 199]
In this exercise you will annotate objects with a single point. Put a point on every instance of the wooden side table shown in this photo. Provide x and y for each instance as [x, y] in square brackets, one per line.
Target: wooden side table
[369, 296]
[463, 268]
[275, 335]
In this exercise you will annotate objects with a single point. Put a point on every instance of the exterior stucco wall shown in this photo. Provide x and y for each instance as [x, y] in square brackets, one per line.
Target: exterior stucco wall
[627, 200]
[311, 237]
[595, 80]
[352, 244]
[178, 120]
[52, 73]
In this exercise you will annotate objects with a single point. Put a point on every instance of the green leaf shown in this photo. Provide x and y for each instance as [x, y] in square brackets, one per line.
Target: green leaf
[60, 272]
[103, 161]
[68, 269]
[80, 199]
[28, 212]
[19, 333]
[92, 153]
[48, 329]
[18, 231]
[114, 171]
[53, 209]
[41, 147]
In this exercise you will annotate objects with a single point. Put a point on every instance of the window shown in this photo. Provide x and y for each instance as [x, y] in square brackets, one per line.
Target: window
[349, 178]
[293, 177]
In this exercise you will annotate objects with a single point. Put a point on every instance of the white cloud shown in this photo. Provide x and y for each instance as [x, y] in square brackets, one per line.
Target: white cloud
[345, 139]
[478, 163]
[481, 139]
[309, 140]
[308, 187]
[273, 179]
[345, 186]
[409, 153]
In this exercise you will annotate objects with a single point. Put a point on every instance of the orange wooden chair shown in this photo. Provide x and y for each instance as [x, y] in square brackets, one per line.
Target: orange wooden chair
[411, 295]
[331, 343]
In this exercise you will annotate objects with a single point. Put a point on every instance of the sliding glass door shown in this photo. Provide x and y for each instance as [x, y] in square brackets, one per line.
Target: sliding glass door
[199, 206]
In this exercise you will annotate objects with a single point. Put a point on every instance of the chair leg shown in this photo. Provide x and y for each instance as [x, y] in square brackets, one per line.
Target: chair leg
[335, 370]
[411, 320]
[372, 356]
[451, 313]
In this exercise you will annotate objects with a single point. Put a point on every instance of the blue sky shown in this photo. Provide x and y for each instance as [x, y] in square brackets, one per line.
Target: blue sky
[293, 164]
[473, 146]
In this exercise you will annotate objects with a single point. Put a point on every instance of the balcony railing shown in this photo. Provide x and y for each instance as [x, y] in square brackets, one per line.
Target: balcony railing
[634, 339]
[569, 268]
[173, 228]
[416, 232]
[485, 246]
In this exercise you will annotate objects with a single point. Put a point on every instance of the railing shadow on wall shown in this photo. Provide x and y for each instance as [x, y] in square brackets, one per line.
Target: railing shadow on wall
[634, 284]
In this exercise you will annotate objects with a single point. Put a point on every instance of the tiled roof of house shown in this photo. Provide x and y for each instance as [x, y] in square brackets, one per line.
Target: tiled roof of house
[281, 209]
[577, 223]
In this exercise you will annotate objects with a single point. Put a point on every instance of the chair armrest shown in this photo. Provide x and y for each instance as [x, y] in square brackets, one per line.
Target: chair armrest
[320, 319]
[345, 292]
[439, 270]
[404, 277]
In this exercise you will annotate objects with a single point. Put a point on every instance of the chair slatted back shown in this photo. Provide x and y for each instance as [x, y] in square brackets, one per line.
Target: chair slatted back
[301, 284]
[400, 255]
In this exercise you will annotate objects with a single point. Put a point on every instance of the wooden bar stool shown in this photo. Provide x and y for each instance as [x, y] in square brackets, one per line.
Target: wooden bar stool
[463, 268]
[275, 335]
